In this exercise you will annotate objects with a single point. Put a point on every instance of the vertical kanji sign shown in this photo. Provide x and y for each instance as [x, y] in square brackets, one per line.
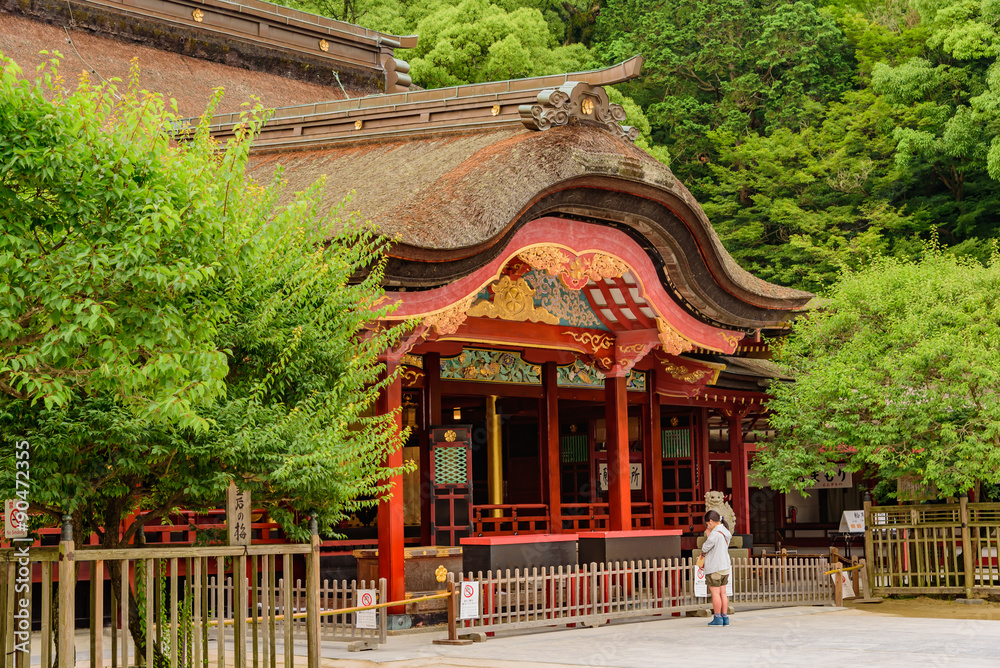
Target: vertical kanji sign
[238, 515]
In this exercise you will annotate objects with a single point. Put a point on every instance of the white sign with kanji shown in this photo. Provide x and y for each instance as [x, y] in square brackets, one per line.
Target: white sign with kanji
[469, 608]
[366, 619]
[634, 472]
[838, 479]
[701, 587]
[238, 515]
[852, 521]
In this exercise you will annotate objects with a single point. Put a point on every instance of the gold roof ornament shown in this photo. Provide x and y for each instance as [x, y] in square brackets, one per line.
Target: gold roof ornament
[198, 15]
[324, 46]
[576, 102]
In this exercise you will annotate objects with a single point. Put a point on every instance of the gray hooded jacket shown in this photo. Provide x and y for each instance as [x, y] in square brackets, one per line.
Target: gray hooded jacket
[716, 550]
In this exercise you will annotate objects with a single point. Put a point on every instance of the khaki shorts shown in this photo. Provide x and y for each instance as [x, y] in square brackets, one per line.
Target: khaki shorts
[717, 579]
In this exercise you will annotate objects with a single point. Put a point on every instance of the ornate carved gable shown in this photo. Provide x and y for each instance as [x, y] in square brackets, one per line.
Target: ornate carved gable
[576, 102]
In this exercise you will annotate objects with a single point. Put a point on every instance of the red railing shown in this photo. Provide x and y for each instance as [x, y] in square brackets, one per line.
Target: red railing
[510, 519]
[579, 517]
[642, 516]
[684, 515]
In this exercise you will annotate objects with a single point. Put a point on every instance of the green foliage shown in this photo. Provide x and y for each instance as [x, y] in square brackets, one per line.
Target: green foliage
[262, 295]
[724, 65]
[899, 372]
[474, 41]
[109, 242]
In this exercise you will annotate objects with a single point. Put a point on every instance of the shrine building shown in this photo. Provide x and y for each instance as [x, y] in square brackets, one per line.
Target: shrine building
[588, 358]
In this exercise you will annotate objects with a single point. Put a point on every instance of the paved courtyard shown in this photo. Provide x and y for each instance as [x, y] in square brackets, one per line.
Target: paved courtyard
[777, 637]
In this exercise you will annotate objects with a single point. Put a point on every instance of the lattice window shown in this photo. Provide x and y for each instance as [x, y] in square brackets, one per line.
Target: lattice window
[676, 443]
[450, 466]
[573, 449]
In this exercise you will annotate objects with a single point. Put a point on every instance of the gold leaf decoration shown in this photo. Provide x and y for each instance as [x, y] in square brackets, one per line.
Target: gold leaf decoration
[673, 341]
[450, 436]
[596, 342]
[546, 258]
[512, 300]
[450, 319]
[683, 373]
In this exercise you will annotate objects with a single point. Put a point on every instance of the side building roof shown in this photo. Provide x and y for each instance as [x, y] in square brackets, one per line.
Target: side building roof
[188, 47]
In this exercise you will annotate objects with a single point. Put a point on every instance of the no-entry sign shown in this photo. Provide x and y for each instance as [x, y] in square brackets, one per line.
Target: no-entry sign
[701, 587]
[366, 619]
[470, 600]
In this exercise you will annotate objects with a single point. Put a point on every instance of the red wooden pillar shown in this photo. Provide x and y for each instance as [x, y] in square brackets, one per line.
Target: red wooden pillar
[704, 481]
[616, 418]
[550, 434]
[654, 451]
[390, 509]
[738, 457]
[432, 408]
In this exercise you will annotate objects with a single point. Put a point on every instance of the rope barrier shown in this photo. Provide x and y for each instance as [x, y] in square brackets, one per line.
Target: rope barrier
[343, 611]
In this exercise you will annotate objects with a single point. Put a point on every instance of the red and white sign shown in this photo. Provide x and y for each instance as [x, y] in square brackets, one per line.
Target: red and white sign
[366, 619]
[15, 523]
[469, 608]
[701, 587]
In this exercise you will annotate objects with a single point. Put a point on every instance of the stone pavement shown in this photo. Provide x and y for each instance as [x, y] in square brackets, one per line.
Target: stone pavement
[777, 637]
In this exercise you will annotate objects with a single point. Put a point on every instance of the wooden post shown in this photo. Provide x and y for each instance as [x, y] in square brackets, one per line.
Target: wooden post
[96, 616]
[550, 418]
[312, 597]
[869, 540]
[838, 590]
[390, 508]
[967, 555]
[453, 603]
[738, 459]
[432, 416]
[616, 418]
[654, 461]
[494, 456]
[704, 481]
[67, 600]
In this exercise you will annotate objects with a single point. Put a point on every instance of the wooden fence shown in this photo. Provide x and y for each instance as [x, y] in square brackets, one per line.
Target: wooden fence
[202, 606]
[596, 593]
[933, 548]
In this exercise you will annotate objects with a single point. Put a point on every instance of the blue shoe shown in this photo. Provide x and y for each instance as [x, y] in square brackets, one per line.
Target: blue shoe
[725, 620]
[717, 621]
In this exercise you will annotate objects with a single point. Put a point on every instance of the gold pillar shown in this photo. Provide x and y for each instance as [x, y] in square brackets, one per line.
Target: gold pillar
[494, 460]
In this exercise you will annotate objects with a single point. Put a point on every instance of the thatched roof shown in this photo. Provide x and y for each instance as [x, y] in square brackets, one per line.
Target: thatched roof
[452, 200]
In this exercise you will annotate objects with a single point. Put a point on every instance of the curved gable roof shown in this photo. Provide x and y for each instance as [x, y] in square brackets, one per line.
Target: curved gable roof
[454, 173]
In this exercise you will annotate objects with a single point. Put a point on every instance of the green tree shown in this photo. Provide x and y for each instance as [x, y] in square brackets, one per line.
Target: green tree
[474, 41]
[285, 320]
[724, 65]
[899, 372]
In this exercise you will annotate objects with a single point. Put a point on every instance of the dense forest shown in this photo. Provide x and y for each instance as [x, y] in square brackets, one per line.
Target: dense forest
[817, 135]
